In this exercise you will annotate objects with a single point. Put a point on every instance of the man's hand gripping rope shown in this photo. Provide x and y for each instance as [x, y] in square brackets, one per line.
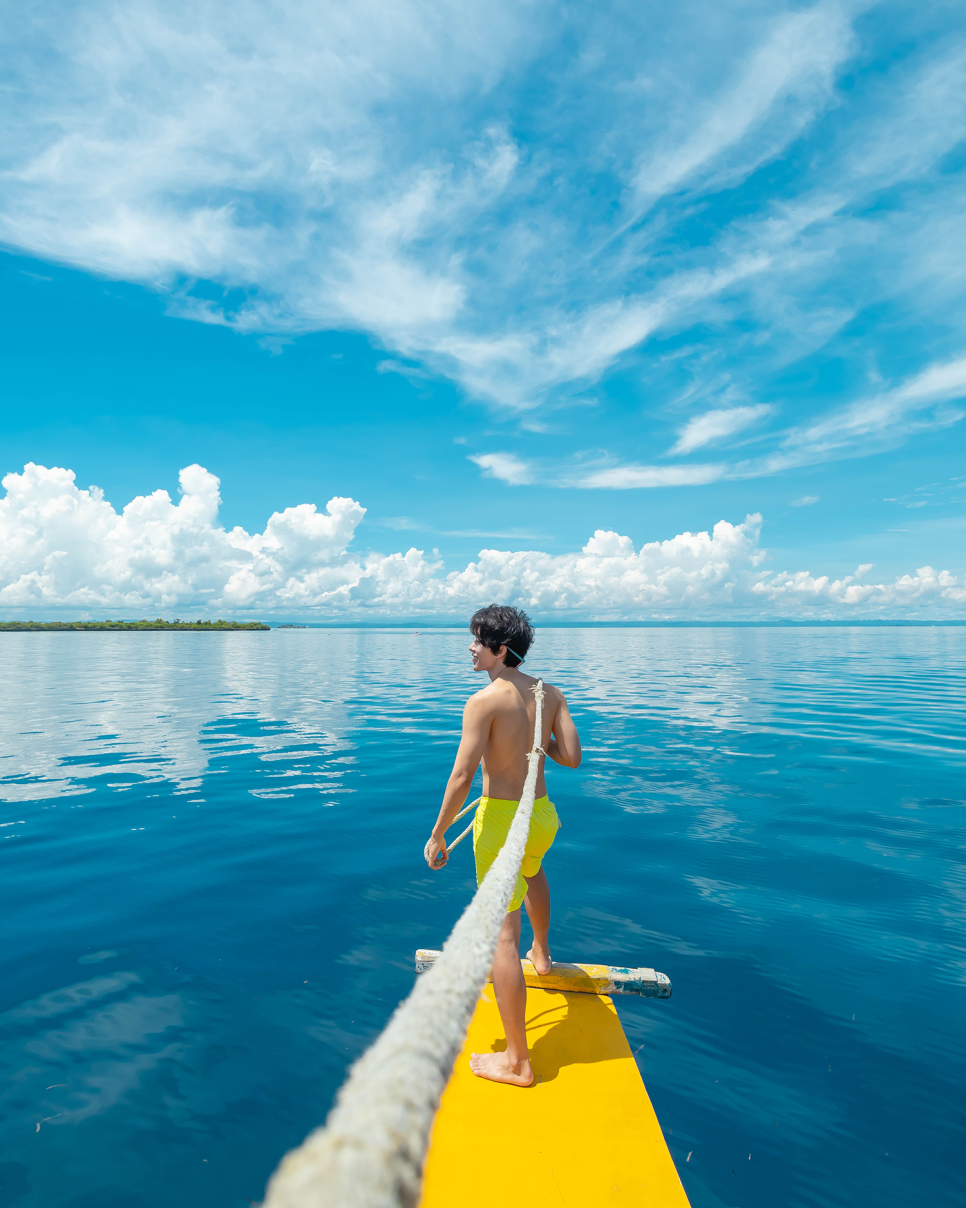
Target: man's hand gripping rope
[437, 858]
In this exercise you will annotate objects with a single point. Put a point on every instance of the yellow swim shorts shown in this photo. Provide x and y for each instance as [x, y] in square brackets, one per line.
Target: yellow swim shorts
[493, 818]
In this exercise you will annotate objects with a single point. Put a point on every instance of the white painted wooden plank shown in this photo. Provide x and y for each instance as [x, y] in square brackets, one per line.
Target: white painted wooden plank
[586, 978]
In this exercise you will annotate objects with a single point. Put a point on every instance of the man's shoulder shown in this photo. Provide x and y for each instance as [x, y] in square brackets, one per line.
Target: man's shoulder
[500, 695]
[482, 699]
[496, 697]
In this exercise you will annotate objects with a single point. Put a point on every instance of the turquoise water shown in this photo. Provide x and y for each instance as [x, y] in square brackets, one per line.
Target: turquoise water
[213, 888]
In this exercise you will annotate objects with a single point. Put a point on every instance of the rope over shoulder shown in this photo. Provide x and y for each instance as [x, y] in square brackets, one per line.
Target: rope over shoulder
[371, 1151]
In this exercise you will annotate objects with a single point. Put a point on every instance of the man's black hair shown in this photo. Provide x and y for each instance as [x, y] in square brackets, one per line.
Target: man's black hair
[500, 625]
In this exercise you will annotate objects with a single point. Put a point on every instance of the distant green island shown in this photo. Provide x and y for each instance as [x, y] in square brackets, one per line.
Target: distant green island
[125, 626]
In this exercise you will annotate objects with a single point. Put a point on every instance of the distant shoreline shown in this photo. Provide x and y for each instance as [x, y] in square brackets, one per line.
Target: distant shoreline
[421, 623]
[129, 626]
[424, 624]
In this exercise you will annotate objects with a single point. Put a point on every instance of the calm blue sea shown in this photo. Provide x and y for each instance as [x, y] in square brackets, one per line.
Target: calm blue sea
[213, 887]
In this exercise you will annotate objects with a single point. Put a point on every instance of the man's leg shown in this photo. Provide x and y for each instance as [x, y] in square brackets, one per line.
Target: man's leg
[537, 903]
[511, 997]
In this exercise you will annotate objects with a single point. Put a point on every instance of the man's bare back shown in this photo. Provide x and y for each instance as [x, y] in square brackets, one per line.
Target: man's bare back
[507, 709]
[498, 726]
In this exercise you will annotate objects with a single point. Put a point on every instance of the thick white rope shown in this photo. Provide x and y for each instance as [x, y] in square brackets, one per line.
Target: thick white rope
[370, 1153]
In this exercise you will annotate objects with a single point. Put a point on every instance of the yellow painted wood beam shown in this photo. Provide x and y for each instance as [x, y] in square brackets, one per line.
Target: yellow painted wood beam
[584, 1134]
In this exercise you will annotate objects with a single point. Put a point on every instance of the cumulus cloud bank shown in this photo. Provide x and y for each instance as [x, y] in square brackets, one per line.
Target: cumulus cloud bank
[62, 547]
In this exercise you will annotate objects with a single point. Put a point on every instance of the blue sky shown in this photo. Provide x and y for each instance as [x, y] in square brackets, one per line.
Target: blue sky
[505, 275]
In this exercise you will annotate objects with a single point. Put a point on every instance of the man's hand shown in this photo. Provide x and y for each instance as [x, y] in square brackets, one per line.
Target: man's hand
[435, 852]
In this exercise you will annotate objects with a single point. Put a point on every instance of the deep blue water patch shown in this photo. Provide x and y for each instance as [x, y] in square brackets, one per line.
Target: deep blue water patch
[213, 888]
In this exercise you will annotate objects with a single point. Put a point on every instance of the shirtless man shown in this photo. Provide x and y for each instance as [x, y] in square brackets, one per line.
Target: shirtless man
[498, 728]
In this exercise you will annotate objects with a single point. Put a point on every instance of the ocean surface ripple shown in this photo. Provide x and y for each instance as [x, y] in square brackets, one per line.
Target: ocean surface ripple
[213, 888]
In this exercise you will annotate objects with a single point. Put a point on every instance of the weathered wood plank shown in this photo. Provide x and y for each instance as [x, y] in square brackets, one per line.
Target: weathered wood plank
[580, 978]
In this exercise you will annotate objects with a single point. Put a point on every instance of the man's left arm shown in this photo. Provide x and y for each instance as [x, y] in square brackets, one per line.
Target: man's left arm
[564, 746]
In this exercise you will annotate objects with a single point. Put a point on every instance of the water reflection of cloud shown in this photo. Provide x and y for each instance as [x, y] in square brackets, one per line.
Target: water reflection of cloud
[108, 1082]
[838, 683]
[114, 1048]
[134, 714]
[23, 789]
[69, 998]
[97, 1052]
[115, 710]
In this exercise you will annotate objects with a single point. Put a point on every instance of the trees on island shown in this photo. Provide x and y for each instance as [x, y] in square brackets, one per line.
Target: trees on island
[158, 623]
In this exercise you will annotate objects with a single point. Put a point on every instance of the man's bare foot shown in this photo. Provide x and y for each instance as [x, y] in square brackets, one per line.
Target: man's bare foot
[497, 1067]
[540, 960]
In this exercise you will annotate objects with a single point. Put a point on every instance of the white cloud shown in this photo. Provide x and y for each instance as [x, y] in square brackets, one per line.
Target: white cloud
[855, 430]
[717, 425]
[891, 413]
[61, 546]
[607, 544]
[805, 501]
[267, 146]
[630, 477]
[924, 590]
[68, 549]
[796, 63]
[504, 466]
[922, 404]
[412, 372]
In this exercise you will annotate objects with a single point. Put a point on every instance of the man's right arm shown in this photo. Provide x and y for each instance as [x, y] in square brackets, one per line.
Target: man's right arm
[564, 746]
[476, 732]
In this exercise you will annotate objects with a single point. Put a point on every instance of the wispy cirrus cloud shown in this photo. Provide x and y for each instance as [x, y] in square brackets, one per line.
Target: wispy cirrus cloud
[787, 79]
[921, 402]
[632, 477]
[714, 426]
[925, 402]
[422, 174]
[406, 524]
[511, 470]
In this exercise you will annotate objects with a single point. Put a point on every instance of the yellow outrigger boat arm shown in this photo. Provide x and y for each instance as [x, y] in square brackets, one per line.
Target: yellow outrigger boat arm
[584, 1134]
